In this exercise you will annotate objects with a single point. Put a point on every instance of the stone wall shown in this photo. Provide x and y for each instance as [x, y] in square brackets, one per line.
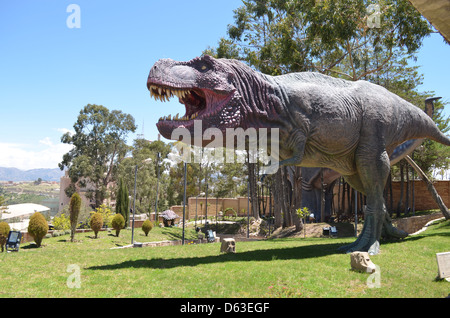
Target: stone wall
[415, 223]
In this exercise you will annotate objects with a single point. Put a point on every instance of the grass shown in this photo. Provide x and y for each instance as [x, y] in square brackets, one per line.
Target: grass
[288, 267]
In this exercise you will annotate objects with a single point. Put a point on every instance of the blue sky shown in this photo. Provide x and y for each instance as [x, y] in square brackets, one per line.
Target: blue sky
[49, 72]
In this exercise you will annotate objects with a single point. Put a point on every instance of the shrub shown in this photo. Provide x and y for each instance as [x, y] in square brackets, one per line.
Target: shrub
[4, 231]
[106, 213]
[96, 222]
[230, 211]
[118, 223]
[147, 226]
[38, 227]
[61, 222]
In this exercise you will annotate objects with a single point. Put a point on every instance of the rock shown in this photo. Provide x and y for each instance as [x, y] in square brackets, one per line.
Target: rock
[228, 245]
[360, 261]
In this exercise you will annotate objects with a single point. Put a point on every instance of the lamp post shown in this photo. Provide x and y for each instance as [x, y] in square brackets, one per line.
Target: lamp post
[134, 205]
[157, 185]
[356, 213]
[196, 201]
[184, 202]
[237, 179]
[260, 197]
[206, 202]
[248, 208]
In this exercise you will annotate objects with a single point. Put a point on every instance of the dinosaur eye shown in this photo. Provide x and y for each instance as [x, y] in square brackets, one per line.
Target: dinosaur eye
[204, 66]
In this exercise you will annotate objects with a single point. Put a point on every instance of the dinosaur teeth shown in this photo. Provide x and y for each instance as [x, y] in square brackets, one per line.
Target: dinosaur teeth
[164, 94]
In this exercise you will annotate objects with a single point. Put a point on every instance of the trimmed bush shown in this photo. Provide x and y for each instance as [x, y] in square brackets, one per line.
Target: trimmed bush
[96, 222]
[74, 208]
[147, 226]
[38, 227]
[4, 231]
[118, 223]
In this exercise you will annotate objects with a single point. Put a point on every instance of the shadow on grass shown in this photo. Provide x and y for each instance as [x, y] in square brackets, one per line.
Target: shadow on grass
[300, 252]
[282, 253]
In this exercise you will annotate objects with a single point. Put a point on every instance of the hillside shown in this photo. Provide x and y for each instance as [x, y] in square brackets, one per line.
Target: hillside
[14, 174]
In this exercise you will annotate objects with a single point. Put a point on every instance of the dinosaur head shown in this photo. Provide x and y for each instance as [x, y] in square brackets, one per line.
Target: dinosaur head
[222, 93]
[204, 85]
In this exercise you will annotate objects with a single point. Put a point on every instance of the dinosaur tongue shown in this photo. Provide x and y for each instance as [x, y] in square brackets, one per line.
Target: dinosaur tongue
[194, 103]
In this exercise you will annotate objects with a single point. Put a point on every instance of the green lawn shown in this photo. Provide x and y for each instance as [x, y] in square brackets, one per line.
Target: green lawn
[289, 267]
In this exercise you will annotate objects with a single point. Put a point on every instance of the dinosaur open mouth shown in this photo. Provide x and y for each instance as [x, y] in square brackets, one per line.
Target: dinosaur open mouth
[195, 101]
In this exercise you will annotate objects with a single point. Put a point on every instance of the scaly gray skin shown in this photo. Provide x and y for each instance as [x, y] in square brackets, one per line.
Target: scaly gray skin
[350, 127]
[313, 185]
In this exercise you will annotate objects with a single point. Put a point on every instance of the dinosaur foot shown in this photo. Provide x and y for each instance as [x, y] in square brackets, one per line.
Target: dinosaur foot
[390, 231]
[369, 246]
[367, 241]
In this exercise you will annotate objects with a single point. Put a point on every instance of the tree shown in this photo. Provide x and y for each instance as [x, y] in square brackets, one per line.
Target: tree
[74, 208]
[147, 175]
[336, 37]
[123, 201]
[99, 145]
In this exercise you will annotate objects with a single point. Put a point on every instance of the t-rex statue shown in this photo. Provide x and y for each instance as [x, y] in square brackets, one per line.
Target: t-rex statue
[350, 127]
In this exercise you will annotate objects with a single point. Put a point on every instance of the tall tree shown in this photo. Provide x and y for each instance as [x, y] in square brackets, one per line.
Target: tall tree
[336, 37]
[74, 208]
[99, 144]
[144, 156]
[123, 201]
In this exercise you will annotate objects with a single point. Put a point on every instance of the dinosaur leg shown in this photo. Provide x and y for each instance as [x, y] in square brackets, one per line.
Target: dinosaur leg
[388, 230]
[373, 171]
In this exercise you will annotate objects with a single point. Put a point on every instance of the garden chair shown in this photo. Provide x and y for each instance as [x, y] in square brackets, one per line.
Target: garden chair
[13, 241]
[210, 236]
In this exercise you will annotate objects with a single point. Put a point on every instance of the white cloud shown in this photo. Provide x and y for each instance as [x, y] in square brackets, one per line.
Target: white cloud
[65, 130]
[26, 157]
[46, 141]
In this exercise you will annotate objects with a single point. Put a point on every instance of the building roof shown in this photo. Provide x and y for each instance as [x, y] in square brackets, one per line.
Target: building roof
[22, 210]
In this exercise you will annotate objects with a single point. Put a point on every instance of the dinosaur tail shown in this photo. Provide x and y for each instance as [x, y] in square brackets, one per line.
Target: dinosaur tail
[429, 109]
[408, 146]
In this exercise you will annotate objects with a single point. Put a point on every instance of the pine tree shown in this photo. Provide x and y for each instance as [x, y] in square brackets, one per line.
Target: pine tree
[122, 201]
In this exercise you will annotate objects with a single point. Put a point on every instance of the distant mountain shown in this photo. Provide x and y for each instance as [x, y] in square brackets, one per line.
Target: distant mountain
[14, 174]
